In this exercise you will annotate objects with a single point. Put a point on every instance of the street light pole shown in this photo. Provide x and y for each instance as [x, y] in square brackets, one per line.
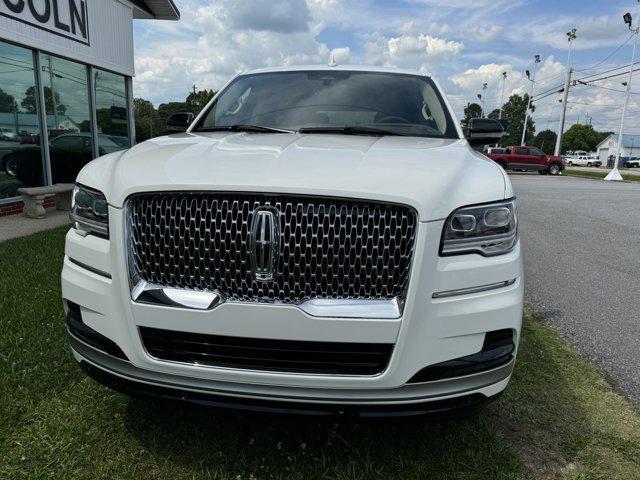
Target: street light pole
[614, 174]
[571, 37]
[504, 80]
[526, 113]
[484, 96]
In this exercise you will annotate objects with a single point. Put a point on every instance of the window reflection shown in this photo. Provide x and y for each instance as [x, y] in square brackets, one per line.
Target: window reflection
[68, 116]
[19, 121]
[111, 111]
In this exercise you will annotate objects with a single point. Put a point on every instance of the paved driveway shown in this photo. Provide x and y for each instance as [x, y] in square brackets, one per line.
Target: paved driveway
[581, 242]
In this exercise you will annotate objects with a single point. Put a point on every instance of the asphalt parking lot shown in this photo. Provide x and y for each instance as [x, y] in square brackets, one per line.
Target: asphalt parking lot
[581, 241]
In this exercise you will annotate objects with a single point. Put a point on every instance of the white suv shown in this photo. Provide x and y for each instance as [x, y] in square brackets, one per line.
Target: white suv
[320, 239]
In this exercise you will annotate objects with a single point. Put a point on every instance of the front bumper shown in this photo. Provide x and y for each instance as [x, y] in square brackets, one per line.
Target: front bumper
[430, 330]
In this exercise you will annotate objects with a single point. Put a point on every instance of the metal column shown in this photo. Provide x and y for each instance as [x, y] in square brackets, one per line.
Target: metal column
[93, 119]
[130, 111]
[42, 114]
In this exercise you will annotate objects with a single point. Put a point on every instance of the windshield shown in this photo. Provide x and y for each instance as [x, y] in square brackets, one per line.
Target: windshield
[396, 103]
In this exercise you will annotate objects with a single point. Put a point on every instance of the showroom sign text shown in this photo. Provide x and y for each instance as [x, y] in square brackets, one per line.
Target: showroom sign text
[67, 18]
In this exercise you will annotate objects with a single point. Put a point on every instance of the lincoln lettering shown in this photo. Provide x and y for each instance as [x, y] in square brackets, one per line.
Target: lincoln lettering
[67, 18]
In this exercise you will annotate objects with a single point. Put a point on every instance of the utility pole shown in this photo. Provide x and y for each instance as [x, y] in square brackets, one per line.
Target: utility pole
[526, 112]
[53, 96]
[571, 37]
[480, 97]
[195, 100]
[614, 174]
[504, 80]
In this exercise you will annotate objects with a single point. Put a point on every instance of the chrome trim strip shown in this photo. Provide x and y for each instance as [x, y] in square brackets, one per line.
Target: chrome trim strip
[90, 268]
[152, 294]
[470, 290]
[407, 393]
[345, 308]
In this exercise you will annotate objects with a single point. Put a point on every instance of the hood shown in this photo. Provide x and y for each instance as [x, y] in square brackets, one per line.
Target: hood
[435, 176]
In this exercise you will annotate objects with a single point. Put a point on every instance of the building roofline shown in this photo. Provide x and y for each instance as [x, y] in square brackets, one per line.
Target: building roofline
[155, 9]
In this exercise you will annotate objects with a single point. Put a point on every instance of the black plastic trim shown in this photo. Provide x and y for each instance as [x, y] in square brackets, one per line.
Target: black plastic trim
[88, 335]
[338, 358]
[497, 350]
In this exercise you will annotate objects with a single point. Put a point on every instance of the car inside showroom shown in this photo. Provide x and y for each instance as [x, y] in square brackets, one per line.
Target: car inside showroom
[65, 87]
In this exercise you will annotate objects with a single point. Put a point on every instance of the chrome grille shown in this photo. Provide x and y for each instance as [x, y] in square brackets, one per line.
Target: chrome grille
[329, 247]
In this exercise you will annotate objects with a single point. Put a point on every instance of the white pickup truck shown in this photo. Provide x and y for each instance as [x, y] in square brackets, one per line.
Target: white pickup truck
[583, 161]
[318, 239]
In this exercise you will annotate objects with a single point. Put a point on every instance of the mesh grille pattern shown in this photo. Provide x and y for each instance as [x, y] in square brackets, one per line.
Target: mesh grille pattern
[329, 247]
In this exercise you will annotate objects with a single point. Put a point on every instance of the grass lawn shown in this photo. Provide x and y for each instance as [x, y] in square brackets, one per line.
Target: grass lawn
[558, 418]
[599, 175]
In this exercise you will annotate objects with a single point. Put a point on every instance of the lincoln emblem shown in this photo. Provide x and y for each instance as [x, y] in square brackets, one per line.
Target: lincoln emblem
[264, 243]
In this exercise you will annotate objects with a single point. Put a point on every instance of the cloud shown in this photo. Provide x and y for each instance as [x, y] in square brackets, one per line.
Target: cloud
[340, 55]
[592, 32]
[410, 50]
[469, 83]
[484, 33]
[227, 38]
[273, 16]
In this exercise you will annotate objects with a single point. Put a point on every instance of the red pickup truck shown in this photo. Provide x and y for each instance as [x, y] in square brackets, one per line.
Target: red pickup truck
[528, 158]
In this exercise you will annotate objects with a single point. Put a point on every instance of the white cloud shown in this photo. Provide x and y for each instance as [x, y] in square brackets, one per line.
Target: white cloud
[484, 33]
[592, 32]
[413, 51]
[341, 55]
[225, 40]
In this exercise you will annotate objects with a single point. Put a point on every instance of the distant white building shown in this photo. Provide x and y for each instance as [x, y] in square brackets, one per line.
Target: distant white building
[630, 148]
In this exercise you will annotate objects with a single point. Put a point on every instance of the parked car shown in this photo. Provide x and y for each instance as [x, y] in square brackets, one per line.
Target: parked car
[493, 150]
[69, 152]
[527, 159]
[7, 135]
[321, 239]
[583, 161]
[633, 162]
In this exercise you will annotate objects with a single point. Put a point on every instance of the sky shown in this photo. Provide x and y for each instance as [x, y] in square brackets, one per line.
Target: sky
[462, 43]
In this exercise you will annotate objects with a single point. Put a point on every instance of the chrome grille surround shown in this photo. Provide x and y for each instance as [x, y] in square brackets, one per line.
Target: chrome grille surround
[330, 247]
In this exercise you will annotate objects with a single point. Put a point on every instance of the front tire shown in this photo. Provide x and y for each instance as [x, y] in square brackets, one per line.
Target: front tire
[11, 166]
[570, 163]
[589, 164]
[554, 169]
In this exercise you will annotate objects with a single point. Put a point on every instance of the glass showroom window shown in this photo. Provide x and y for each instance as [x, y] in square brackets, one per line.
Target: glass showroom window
[111, 111]
[68, 116]
[21, 157]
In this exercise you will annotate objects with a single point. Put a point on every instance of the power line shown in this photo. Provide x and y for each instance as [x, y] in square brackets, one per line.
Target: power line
[608, 56]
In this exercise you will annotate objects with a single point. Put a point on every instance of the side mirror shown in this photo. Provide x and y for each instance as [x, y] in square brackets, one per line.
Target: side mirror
[179, 122]
[485, 131]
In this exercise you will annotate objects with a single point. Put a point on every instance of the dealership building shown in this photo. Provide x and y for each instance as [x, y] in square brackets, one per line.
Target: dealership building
[65, 86]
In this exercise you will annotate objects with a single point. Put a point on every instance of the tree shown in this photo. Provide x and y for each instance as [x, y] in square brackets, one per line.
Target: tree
[146, 119]
[472, 110]
[197, 101]
[494, 114]
[545, 140]
[7, 102]
[29, 101]
[513, 112]
[582, 137]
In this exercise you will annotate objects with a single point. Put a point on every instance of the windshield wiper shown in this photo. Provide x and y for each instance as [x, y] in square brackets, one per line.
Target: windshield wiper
[243, 128]
[353, 130]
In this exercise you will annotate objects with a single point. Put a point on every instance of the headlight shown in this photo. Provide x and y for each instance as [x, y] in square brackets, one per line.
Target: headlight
[489, 229]
[89, 211]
